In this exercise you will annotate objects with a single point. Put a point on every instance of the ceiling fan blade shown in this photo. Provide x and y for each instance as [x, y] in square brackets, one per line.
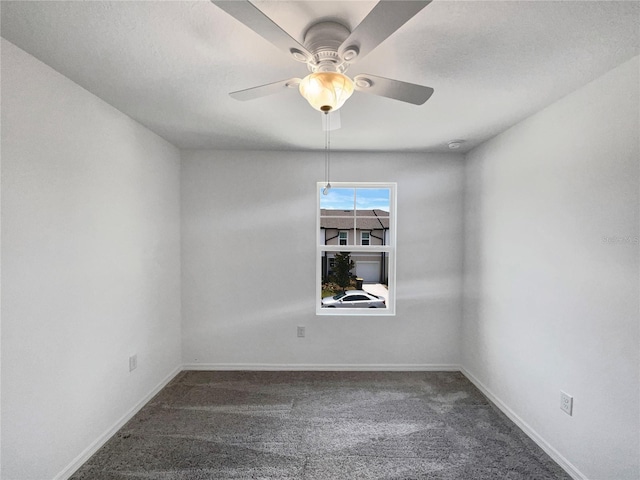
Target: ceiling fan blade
[395, 89]
[331, 121]
[248, 14]
[264, 90]
[381, 22]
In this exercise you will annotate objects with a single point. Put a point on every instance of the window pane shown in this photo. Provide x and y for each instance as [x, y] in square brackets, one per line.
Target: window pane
[338, 199]
[377, 229]
[337, 217]
[373, 199]
[347, 271]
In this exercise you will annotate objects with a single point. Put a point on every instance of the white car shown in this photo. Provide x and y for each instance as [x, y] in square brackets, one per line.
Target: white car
[354, 299]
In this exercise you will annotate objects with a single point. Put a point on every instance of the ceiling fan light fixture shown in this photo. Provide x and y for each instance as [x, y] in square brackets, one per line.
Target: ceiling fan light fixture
[326, 91]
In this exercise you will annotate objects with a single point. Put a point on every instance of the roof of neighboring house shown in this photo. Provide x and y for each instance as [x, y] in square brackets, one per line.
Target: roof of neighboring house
[343, 219]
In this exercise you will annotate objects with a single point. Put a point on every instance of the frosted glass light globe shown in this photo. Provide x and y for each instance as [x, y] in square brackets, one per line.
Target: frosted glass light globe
[326, 91]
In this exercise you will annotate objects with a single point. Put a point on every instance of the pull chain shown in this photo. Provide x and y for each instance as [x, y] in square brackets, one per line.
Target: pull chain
[327, 153]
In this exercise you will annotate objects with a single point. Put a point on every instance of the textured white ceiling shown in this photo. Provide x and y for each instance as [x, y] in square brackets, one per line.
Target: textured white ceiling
[171, 64]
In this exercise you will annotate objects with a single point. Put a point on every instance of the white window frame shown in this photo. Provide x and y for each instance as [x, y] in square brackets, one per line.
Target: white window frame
[390, 249]
[368, 233]
[340, 232]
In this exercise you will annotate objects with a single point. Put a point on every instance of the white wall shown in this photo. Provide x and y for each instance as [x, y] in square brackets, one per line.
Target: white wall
[551, 302]
[91, 266]
[248, 259]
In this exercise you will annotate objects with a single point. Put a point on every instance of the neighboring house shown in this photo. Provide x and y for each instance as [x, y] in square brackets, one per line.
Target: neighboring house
[362, 228]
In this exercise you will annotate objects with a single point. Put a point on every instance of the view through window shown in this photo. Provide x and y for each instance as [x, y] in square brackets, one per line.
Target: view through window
[356, 249]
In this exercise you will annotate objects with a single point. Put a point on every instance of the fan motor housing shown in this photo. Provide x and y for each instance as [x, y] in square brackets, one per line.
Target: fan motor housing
[323, 40]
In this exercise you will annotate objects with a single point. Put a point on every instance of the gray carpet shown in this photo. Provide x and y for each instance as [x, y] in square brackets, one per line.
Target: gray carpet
[320, 425]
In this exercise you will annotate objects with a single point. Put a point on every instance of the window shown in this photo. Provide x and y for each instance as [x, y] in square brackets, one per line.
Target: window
[356, 248]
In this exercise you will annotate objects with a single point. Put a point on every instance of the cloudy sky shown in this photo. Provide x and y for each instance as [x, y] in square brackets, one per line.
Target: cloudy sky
[362, 198]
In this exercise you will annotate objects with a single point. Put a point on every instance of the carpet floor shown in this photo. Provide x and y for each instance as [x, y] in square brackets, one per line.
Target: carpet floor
[320, 425]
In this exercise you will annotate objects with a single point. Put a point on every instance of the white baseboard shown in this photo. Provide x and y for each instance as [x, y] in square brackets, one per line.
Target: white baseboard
[102, 439]
[566, 465]
[324, 367]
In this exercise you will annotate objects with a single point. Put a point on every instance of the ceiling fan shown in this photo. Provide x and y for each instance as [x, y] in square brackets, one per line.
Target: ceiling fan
[328, 49]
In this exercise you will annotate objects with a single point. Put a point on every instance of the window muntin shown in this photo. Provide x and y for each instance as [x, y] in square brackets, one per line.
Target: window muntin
[366, 213]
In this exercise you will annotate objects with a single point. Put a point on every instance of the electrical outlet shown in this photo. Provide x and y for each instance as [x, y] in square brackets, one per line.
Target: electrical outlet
[566, 403]
[301, 331]
[133, 362]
